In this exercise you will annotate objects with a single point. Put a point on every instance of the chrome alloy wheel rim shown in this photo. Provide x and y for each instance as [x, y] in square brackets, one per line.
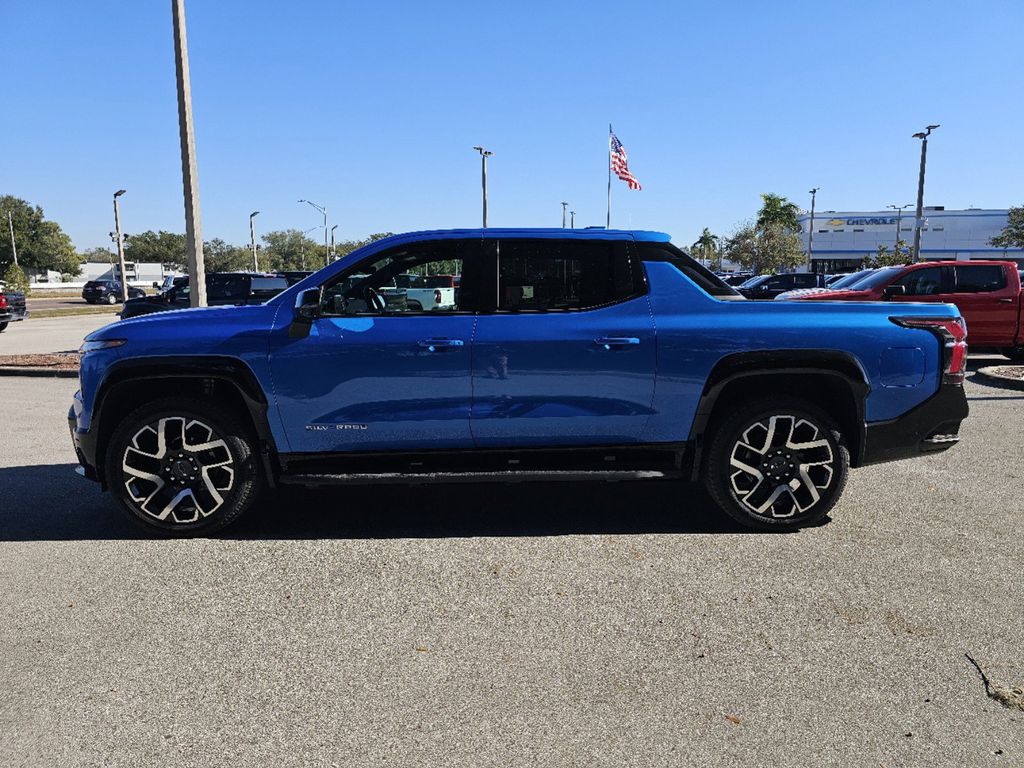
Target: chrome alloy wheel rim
[178, 470]
[780, 466]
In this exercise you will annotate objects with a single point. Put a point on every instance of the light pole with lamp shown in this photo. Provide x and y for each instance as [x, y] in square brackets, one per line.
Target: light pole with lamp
[572, 219]
[899, 219]
[810, 231]
[565, 207]
[333, 251]
[484, 154]
[120, 245]
[327, 246]
[252, 241]
[923, 136]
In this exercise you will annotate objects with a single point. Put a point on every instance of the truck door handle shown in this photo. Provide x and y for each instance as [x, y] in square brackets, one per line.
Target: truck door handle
[616, 342]
[432, 345]
[1006, 301]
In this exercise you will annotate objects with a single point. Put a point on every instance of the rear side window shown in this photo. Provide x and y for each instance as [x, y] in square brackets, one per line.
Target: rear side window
[226, 287]
[979, 278]
[806, 281]
[705, 279]
[562, 275]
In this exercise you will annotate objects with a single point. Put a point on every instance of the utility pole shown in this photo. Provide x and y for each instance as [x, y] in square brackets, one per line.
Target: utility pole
[565, 206]
[14, 246]
[333, 251]
[810, 232]
[484, 154]
[189, 172]
[302, 248]
[572, 219]
[252, 241]
[899, 219]
[120, 245]
[923, 136]
[327, 246]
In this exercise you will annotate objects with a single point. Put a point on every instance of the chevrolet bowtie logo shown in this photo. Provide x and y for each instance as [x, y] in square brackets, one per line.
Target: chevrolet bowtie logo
[836, 222]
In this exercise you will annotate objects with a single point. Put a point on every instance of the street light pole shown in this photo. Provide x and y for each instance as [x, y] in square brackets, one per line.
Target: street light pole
[333, 251]
[302, 248]
[572, 219]
[14, 246]
[810, 232]
[899, 219]
[252, 241]
[120, 245]
[189, 172]
[484, 154]
[565, 206]
[327, 247]
[923, 136]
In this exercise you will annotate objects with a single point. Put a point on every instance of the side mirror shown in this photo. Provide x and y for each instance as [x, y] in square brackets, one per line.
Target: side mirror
[894, 290]
[156, 284]
[307, 309]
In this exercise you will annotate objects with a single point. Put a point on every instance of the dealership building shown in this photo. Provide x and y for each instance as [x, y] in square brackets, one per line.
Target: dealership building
[843, 238]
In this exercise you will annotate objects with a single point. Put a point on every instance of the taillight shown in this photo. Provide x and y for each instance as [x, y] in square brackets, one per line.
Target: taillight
[952, 332]
[3, 301]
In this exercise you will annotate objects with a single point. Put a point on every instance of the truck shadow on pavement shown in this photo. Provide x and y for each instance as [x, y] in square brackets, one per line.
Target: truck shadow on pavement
[49, 502]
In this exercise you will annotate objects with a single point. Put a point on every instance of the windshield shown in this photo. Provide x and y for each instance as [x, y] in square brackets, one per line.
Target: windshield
[754, 281]
[875, 279]
[847, 281]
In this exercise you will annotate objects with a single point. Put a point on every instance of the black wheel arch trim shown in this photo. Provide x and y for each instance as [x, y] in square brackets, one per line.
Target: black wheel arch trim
[842, 365]
[230, 370]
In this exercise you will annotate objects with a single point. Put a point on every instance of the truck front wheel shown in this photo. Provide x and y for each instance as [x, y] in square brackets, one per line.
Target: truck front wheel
[1014, 353]
[777, 464]
[182, 468]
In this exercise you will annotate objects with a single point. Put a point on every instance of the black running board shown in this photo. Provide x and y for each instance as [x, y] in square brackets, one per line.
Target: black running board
[505, 476]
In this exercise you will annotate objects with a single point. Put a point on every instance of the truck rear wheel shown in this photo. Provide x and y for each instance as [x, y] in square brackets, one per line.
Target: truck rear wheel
[777, 464]
[182, 468]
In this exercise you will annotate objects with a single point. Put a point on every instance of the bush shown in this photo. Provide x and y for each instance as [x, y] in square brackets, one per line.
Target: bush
[16, 279]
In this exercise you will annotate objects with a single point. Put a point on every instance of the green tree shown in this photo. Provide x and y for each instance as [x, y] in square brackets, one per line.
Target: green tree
[156, 248]
[895, 258]
[98, 255]
[16, 279]
[777, 213]
[220, 256]
[42, 244]
[290, 249]
[769, 248]
[708, 248]
[1012, 235]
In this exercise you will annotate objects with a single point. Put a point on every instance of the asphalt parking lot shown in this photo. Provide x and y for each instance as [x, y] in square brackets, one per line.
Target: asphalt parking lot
[497, 625]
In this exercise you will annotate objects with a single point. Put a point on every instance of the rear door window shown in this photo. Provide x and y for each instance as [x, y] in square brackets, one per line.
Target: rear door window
[979, 278]
[562, 275]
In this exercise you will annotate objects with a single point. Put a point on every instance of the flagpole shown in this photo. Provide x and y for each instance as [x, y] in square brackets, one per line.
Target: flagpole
[608, 159]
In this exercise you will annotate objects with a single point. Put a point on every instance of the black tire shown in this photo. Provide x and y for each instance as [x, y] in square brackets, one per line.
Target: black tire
[111, 298]
[203, 502]
[810, 457]
[1014, 353]
[3, 326]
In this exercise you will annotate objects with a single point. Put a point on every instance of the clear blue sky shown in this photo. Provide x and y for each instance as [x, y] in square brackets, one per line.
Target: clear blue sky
[372, 110]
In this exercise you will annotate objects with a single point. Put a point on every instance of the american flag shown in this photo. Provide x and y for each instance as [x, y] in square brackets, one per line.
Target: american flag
[619, 161]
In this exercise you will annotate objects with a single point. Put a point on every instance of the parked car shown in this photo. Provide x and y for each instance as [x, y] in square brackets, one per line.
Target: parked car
[222, 288]
[840, 281]
[108, 292]
[577, 355]
[737, 278]
[295, 275]
[12, 307]
[987, 293]
[166, 284]
[770, 286]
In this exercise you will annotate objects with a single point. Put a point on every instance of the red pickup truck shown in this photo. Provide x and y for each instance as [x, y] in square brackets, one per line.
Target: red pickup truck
[987, 293]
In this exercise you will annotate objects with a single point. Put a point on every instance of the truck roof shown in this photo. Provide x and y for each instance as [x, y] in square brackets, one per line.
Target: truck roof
[595, 233]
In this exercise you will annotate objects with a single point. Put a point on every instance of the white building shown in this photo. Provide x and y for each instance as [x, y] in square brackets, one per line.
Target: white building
[843, 238]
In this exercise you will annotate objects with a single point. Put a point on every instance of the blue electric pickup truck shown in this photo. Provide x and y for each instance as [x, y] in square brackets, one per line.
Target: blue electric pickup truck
[562, 355]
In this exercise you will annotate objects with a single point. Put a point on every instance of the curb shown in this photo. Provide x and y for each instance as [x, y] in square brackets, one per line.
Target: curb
[24, 370]
[989, 375]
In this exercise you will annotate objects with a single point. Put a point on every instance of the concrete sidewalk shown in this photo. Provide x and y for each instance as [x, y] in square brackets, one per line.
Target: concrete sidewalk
[50, 334]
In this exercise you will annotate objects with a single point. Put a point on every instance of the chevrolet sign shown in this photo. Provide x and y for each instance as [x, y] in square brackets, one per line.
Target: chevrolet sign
[869, 222]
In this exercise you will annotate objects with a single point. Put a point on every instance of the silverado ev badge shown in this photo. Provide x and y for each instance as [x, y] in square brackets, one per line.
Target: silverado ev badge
[328, 427]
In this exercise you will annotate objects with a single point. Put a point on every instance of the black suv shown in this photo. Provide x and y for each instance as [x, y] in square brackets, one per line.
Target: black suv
[108, 292]
[770, 286]
[222, 288]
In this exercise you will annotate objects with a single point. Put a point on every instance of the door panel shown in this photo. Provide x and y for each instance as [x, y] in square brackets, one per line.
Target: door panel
[547, 370]
[987, 302]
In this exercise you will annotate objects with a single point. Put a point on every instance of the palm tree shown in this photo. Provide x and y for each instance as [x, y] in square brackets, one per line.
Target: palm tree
[777, 213]
[707, 246]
